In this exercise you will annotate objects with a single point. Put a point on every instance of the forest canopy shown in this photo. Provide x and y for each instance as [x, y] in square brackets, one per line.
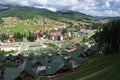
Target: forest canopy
[108, 38]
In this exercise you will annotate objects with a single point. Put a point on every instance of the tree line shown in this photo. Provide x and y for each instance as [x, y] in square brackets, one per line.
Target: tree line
[18, 37]
[108, 38]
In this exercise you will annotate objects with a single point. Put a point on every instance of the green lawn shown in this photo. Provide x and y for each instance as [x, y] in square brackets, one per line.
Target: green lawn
[111, 72]
[23, 28]
[51, 45]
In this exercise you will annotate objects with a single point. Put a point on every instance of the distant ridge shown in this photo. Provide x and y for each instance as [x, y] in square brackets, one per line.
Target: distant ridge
[18, 11]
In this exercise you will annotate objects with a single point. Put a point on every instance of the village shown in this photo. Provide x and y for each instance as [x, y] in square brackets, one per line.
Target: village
[49, 63]
[58, 34]
[59, 40]
[30, 64]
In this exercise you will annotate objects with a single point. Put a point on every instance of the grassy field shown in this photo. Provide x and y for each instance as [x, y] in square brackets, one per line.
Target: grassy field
[23, 28]
[51, 45]
[97, 68]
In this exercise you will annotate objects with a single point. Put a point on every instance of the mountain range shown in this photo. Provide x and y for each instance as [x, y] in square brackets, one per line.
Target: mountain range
[23, 12]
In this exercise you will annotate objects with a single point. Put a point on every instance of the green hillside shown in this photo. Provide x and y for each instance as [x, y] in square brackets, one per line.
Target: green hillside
[31, 16]
[29, 12]
[74, 15]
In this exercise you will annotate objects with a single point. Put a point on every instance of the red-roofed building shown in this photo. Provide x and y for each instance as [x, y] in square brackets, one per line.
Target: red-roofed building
[55, 35]
[43, 30]
[12, 39]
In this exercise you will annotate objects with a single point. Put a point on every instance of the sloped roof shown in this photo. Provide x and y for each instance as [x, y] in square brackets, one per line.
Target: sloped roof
[45, 58]
[54, 66]
[69, 62]
[80, 60]
[52, 56]
[27, 66]
[2, 58]
[11, 57]
[13, 73]
[94, 48]
[35, 60]
[20, 57]
[31, 55]
[76, 53]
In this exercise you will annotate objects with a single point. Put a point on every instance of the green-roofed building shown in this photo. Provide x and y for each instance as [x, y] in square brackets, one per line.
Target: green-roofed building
[36, 63]
[47, 57]
[31, 56]
[2, 58]
[9, 58]
[77, 52]
[51, 63]
[23, 72]
[54, 66]
[69, 62]
[19, 58]
[77, 55]
[92, 50]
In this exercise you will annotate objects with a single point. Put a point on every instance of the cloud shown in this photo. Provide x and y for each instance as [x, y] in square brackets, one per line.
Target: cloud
[107, 4]
[52, 9]
[63, 2]
[27, 2]
[49, 8]
[116, 4]
[90, 7]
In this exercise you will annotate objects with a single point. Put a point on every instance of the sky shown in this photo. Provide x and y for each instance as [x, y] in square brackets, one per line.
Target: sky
[109, 8]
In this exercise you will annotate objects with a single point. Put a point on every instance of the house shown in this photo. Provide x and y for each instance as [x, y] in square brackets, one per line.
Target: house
[47, 58]
[69, 62]
[43, 30]
[79, 34]
[40, 67]
[36, 63]
[31, 56]
[52, 63]
[92, 50]
[44, 61]
[54, 66]
[49, 63]
[12, 39]
[55, 35]
[19, 58]
[9, 58]
[78, 55]
[24, 72]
